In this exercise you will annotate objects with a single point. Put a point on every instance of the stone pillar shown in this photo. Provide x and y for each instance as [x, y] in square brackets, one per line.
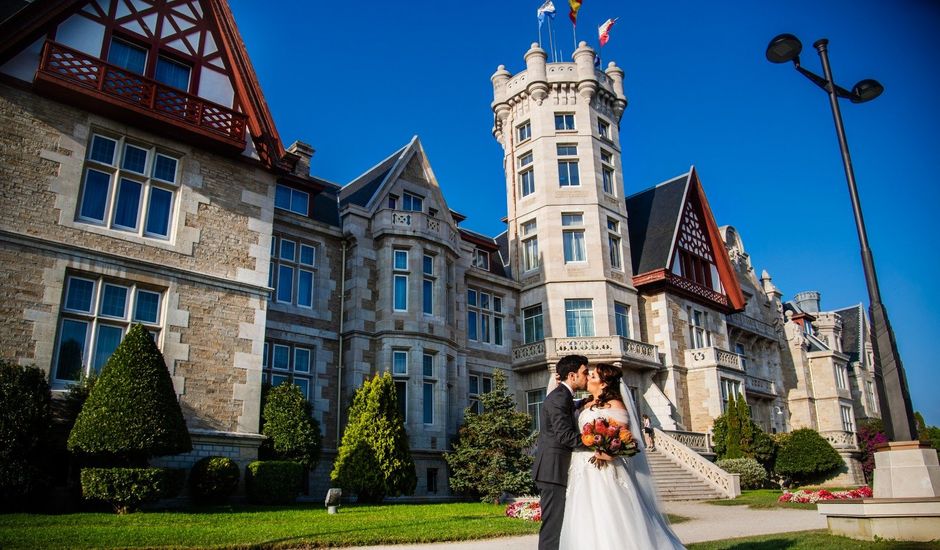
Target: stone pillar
[906, 469]
[584, 61]
[538, 77]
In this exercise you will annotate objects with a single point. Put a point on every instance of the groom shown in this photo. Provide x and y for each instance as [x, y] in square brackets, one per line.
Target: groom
[558, 435]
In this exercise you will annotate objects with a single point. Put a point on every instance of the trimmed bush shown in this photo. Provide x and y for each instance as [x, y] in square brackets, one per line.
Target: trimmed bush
[131, 413]
[273, 481]
[870, 434]
[126, 489]
[374, 460]
[293, 433]
[805, 457]
[25, 413]
[213, 479]
[490, 456]
[753, 475]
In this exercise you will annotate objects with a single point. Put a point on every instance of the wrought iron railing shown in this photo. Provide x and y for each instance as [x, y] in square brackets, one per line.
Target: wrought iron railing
[92, 73]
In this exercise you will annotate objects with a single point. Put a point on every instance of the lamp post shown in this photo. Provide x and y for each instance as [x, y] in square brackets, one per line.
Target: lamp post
[893, 395]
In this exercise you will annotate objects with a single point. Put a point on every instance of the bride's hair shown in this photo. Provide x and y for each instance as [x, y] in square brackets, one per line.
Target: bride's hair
[610, 377]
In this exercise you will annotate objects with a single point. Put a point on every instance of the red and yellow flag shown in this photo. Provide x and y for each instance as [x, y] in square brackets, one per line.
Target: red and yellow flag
[573, 14]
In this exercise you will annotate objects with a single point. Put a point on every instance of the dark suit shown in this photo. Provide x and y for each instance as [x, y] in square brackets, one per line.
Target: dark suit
[558, 435]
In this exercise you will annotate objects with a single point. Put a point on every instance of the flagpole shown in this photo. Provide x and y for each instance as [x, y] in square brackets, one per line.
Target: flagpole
[540, 33]
[574, 34]
[551, 43]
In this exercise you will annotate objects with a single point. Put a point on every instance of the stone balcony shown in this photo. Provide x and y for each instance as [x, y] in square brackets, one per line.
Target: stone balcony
[840, 439]
[611, 349]
[753, 325]
[710, 357]
[760, 387]
[414, 224]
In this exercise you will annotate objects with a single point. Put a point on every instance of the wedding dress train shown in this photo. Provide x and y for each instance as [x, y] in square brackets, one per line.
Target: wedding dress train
[614, 507]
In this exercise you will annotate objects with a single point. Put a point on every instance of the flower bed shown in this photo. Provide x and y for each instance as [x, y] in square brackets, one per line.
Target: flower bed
[815, 496]
[529, 510]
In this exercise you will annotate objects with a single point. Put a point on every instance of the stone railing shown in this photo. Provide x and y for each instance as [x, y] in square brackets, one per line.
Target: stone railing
[415, 223]
[751, 324]
[712, 357]
[841, 439]
[607, 348]
[698, 442]
[758, 384]
[728, 484]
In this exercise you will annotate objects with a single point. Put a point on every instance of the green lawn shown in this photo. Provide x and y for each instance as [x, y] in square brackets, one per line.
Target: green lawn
[807, 540]
[263, 527]
[762, 498]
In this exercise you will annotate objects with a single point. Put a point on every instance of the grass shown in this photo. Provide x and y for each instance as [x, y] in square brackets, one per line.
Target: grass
[808, 540]
[762, 498]
[263, 527]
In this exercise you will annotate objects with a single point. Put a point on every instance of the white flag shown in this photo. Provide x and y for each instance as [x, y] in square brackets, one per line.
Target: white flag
[547, 9]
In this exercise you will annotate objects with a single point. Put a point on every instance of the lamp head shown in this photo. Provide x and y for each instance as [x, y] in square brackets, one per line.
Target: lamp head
[783, 48]
[866, 90]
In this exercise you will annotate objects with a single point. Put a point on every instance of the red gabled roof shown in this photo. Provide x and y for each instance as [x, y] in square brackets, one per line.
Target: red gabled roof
[37, 18]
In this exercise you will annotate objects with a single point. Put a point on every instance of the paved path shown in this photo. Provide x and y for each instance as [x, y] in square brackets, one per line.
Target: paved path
[708, 522]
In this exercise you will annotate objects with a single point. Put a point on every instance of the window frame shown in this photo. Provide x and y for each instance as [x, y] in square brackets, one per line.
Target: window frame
[524, 128]
[575, 316]
[297, 265]
[528, 231]
[565, 127]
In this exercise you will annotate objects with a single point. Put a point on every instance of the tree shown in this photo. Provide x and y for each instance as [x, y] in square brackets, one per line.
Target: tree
[747, 427]
[131, 413]
[870, 434]
[805, 456]
[293, 433]
[733, 436]
[373, 459]
[25, 415]
[490, 455]
[927, 434]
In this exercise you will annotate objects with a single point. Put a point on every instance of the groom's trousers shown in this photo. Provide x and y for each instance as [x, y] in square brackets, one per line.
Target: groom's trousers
[553, 512]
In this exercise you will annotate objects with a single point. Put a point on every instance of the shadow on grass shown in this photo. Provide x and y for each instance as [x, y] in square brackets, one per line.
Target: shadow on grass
[773, 544]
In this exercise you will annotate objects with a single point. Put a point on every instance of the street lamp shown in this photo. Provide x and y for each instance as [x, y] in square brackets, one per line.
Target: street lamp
[896, 410]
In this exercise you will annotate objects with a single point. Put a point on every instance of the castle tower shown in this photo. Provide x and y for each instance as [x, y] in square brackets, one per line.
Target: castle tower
[558, 124]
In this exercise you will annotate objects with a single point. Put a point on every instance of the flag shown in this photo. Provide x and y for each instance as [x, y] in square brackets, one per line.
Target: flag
[573, 14]
[547, 9]
[603, 32]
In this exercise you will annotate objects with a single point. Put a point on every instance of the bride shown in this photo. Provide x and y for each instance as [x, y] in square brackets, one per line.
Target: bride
[614, 506]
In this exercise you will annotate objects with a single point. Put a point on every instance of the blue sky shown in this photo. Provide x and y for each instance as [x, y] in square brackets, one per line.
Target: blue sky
[357, 80]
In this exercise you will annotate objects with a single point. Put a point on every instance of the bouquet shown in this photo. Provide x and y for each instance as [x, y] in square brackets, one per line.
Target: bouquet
[608, 436]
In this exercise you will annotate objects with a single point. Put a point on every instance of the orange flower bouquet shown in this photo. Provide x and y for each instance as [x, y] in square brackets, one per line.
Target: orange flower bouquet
[608, 436]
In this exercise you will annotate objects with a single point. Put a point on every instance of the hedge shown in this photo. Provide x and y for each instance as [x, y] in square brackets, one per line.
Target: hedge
[126, 489]
[753, 475]
[273, 481]
[213, 479]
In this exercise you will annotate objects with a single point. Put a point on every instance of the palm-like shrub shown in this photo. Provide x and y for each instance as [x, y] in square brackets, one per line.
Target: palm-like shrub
[292, 433]
[213, 479]
[805, 456]
[25, 411]
[374, 460]
[490, 456]
[753, 475]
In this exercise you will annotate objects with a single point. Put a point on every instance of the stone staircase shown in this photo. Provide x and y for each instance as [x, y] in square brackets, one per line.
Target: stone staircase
[673, 482]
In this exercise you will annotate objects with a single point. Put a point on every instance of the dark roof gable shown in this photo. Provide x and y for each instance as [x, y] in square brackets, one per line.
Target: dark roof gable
[652, 217]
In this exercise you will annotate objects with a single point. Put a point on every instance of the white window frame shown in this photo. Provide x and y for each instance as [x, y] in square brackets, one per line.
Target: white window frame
[579, 310]
[624, 316]
[291, 373]
[524, 132]
[565, 126]
[299, 266]
[533, 405]
[412, 202]
[530, 245]
[537, 320]
[404, 355]
[291, 195]
[481, 259]
[699, 336]
[603, 129]
[573, 244]
[526, 174]
[400, 273]
[615, 250]
[848, 418]
[488, 315]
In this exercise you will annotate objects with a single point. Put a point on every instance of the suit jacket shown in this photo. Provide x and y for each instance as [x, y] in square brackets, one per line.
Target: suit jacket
[558, 435]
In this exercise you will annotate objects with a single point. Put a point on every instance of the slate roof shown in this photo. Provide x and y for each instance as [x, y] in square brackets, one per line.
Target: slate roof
[502, 241]
[853, 320]
[652, 217]
[360, 190]
[496, 255]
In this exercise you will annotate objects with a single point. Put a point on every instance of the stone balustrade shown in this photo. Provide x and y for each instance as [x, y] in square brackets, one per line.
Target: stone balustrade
[712, 357]
[761, 385]
[697, 441]
[753, 325]
[595, 348]
[728, 484]
[415, 223]
[841, 439]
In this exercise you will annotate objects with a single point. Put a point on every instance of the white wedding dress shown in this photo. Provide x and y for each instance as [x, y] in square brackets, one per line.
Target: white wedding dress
[614, 507]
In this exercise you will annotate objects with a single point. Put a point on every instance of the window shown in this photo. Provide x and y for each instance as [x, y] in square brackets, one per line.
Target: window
[172, 73]
[401, 395]
[870, 389]
[524, 131]
[292, 200]
[739, 349]
[95, 314]
[533, 401]
[841, 377]
[603, 129]
[412, 202]
[532, 324]
[484, 317]
[129, 187]
[427, 365]
[478, 385]
[699, 334]
[127, 56]
[400, 363]
[729, 388]
[428, 402]
[292, 271]
[568, 167]
[564, 121]
[526, 175]
[481, 259]
[613, 243]
[427, 289]
[607, 172]
[807, 326]
[530, 246]
[289, 363]
[848, 419]
[579, 318]
[622, 319]
[432, 480]
[573, 239]
[400, 280]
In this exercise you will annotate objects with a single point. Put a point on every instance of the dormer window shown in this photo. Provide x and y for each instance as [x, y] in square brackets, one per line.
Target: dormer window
[481, 259]
[292, 200]
[411, 202]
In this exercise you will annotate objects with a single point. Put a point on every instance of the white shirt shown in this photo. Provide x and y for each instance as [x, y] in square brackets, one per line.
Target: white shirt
[571, 391]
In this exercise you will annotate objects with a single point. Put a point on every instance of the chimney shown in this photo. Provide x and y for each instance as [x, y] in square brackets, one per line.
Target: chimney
[305, 152]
